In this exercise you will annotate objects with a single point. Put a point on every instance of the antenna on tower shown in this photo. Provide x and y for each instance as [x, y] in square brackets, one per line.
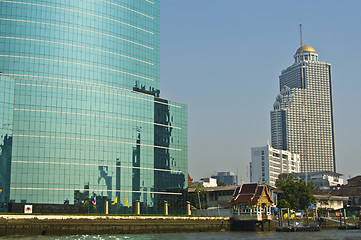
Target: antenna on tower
[301, 34]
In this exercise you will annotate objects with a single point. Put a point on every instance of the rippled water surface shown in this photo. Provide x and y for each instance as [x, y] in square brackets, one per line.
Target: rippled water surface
[323, 235]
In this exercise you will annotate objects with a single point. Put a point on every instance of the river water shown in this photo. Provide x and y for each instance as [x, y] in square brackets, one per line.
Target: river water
[322, 235]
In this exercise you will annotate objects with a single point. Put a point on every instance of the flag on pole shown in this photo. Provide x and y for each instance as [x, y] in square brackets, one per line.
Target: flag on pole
[115, 201]
[94, 202]
[126, 202]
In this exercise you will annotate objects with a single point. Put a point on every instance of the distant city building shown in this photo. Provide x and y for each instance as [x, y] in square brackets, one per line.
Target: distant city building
[302, 118]
[267, 163]
[216, 196]
[208, 182]
[228, 178]
[323, 180]
[330, 202]
[352, 192]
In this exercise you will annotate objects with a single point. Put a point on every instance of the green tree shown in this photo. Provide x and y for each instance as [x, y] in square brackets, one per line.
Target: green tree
[282, 203]
[219, 184]
[295, 194]
[198, 196]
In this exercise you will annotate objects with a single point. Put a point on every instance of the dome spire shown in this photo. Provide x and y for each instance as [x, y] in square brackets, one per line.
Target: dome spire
[301, 34]
[305, 52]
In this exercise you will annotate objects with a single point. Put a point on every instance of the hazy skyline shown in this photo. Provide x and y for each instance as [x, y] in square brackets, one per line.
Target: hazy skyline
[223, 59]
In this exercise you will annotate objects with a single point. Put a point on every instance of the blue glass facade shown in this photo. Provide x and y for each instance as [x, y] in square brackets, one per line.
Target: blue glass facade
[82, 116]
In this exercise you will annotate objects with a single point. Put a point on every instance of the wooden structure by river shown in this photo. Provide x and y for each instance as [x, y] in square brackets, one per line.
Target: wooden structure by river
[251, 204]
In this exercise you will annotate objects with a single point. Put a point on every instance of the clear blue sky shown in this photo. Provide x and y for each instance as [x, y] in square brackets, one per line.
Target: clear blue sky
[223, 58]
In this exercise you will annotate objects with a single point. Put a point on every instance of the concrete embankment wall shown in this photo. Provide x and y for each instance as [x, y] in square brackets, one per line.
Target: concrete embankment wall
[23, 225]
[32, 225]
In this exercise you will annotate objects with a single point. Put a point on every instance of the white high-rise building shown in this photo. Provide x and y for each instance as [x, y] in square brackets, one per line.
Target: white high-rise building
[302, 119]
[267, 163]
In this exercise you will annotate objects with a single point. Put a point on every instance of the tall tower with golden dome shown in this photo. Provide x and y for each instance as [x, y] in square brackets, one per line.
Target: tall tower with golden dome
[302, 116]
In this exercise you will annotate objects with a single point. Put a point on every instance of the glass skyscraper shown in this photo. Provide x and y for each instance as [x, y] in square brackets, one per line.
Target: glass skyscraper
[302, 118]
[82, 116]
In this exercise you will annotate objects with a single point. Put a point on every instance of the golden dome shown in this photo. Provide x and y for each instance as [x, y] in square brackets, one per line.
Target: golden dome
[306, 48]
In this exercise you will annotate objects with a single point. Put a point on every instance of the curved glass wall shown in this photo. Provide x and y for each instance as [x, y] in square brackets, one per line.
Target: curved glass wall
[86, 120]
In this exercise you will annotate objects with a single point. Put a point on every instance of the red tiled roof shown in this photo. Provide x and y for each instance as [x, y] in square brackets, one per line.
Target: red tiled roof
[236, 191]
[249, 188]
[250, 194]
[246, 192]
[344, 191]
[190, 181]
[354, 182]
[357, 178]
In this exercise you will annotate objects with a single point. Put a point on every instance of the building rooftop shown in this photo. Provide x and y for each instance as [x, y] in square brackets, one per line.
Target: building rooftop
[321, 172]
[250, 194]
[343, 191]
[214, 189]
[327, 196]
[355, 179]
